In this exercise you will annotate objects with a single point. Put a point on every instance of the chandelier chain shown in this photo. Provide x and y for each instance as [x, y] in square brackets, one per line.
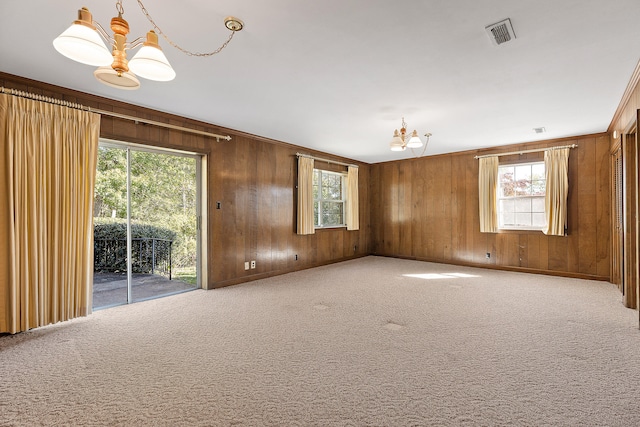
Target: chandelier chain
[172, 43]
[119, 7]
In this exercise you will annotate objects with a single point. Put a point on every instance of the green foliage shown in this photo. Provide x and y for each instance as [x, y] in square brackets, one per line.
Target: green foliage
[113, 228]
[186, 275]
[328, 207]
[151, 249]
[163, 195]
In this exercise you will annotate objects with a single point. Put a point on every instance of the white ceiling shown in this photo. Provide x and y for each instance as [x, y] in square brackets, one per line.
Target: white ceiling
[339, 75]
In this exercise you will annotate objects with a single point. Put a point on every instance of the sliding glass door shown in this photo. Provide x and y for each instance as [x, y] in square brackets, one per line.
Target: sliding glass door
[146, 237]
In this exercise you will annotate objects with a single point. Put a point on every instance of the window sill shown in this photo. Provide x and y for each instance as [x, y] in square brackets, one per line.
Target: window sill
[520, 230]
[330, 227]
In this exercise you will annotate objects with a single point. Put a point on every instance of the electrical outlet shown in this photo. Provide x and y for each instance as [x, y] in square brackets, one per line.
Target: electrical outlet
[488, 255]
[246, 265]
[253, 264]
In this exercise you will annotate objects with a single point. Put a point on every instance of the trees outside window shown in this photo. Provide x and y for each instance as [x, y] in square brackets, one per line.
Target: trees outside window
[328, 199]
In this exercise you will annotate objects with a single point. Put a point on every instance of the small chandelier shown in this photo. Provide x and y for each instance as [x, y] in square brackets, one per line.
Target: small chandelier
[401, 141]
[83, 42]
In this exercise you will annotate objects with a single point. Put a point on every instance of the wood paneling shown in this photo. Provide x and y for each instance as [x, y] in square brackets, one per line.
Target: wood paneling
[630, 211]
[423, 208]
[443, 221]
[253, 178]
[625, 245]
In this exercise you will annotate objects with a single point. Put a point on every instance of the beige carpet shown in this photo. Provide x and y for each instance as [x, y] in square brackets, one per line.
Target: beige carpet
[360, 343]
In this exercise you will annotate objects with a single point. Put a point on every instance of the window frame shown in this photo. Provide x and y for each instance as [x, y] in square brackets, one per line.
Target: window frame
[500, 198]
[317, 201]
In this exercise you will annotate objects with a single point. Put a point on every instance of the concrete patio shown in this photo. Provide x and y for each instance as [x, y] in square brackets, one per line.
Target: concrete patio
[111, 288]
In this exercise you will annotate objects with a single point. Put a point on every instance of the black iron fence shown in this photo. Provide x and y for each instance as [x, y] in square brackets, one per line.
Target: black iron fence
[149, 256]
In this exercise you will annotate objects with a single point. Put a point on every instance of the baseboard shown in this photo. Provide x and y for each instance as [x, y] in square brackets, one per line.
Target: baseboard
[258, 276]
[508, 268]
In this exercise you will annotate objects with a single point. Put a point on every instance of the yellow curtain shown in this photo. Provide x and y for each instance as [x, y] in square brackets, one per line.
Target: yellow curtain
[352, 208]
[305, 196]
[47, 176]
[487, 186]
[556, 165]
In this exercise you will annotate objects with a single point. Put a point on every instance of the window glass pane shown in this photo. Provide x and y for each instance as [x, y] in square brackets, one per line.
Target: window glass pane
[523, 180]
[523, 205]
[505, 180]
[538, 187]
[523, 188]
[316, 184]
[537, 204]
[538, 220]
[523, 219]
[507, 219]
[506, 170]
[508, 205]
[315, 213]
[332, 213]
[331, 187]
[523, 173]
[537, 171]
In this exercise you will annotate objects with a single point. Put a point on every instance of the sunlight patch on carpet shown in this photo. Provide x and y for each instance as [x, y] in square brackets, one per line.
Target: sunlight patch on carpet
[393, 326]
[430, 276]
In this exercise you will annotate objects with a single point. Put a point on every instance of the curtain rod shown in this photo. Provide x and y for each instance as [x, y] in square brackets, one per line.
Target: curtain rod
[534, 150]
[325, 160]
[42, 98]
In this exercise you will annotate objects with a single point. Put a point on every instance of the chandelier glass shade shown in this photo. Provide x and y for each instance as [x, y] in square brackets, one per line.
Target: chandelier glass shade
[401, 141]
[150, 62]
[84, 42]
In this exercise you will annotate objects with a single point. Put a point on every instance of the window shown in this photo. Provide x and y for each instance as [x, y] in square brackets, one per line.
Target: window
[521, 191]
[328, 199]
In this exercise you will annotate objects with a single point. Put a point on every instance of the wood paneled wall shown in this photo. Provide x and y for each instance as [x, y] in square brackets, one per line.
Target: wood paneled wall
[423, 208]
[427, 209]
[255, 181]
[625, 122]
[253, 178]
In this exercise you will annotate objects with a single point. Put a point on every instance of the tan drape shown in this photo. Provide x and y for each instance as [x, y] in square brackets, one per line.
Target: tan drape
[47, 176]
[487, 186]
[556, 165]
[305, 196]
[352, 205]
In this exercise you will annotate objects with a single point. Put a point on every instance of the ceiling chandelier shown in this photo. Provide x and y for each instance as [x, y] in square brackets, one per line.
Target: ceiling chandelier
[401, 141]
[84, 42]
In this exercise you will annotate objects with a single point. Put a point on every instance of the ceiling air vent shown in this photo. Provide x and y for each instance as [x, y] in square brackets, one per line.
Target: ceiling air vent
[501, 32]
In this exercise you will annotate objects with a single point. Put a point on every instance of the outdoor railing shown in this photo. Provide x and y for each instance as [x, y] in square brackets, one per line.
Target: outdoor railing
[148, 255]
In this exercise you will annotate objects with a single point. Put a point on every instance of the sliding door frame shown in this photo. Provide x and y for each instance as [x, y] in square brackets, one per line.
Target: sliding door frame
[201, 211]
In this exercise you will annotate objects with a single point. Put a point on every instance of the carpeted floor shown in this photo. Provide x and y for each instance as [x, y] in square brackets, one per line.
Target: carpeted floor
[369, 342]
